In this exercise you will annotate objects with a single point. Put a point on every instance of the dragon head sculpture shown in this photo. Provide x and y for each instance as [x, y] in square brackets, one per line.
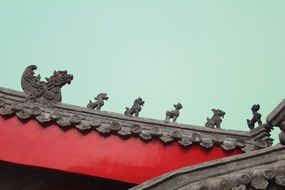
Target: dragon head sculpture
[45, 92]
[60, 78]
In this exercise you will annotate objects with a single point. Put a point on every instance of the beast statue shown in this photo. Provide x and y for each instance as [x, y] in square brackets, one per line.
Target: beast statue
[99, 101]
[255, 118]
[45, 92]
[135, 109]
[216, 120]
[173, 113]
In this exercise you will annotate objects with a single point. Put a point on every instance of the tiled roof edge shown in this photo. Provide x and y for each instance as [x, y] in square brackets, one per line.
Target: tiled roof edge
[255, 169]
[87, 120]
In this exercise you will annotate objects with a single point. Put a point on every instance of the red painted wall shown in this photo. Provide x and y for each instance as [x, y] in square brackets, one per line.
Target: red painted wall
[131, 160]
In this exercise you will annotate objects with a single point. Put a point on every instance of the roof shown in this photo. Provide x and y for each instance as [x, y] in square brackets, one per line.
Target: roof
[259, 169]
[136, 138]
[107, 123]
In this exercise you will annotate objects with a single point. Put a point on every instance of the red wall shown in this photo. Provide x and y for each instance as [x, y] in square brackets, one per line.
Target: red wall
[131, 160]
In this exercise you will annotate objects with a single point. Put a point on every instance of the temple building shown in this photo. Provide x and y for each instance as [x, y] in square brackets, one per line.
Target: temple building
[46, 144]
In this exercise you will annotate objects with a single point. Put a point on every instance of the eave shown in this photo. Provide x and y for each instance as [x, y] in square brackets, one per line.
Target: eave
[107, 123]
[260, 169]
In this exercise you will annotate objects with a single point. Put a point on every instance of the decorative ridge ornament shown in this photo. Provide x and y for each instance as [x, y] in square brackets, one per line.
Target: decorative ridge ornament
[277, 119]
[173, 114]
[216, 119]
[136, 108]
[100, 98]
[255, 118]
[44, 92]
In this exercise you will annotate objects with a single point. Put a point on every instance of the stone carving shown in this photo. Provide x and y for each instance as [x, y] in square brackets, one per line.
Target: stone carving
[277, 119]
[45, 92]
[135, 109]
[216, 120]
[255, 118]
[173, 114]
[99, 101]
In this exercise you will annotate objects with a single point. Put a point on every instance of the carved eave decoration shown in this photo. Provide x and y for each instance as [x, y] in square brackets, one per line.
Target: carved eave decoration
[86, 120]
[260, 169]
[277, 119]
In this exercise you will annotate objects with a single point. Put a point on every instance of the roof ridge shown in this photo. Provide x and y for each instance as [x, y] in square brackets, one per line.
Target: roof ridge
[86, 120]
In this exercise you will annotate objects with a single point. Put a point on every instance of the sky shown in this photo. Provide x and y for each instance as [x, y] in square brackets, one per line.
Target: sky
[204, 54]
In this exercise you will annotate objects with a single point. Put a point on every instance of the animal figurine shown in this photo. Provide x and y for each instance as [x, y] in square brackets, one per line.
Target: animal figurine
[173, 113]
[255, 118]
[216, 120]
[99, 101]
[45, 92]
[135, 109]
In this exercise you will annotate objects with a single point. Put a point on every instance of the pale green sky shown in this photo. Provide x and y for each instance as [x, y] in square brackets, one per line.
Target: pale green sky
[204, 53]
